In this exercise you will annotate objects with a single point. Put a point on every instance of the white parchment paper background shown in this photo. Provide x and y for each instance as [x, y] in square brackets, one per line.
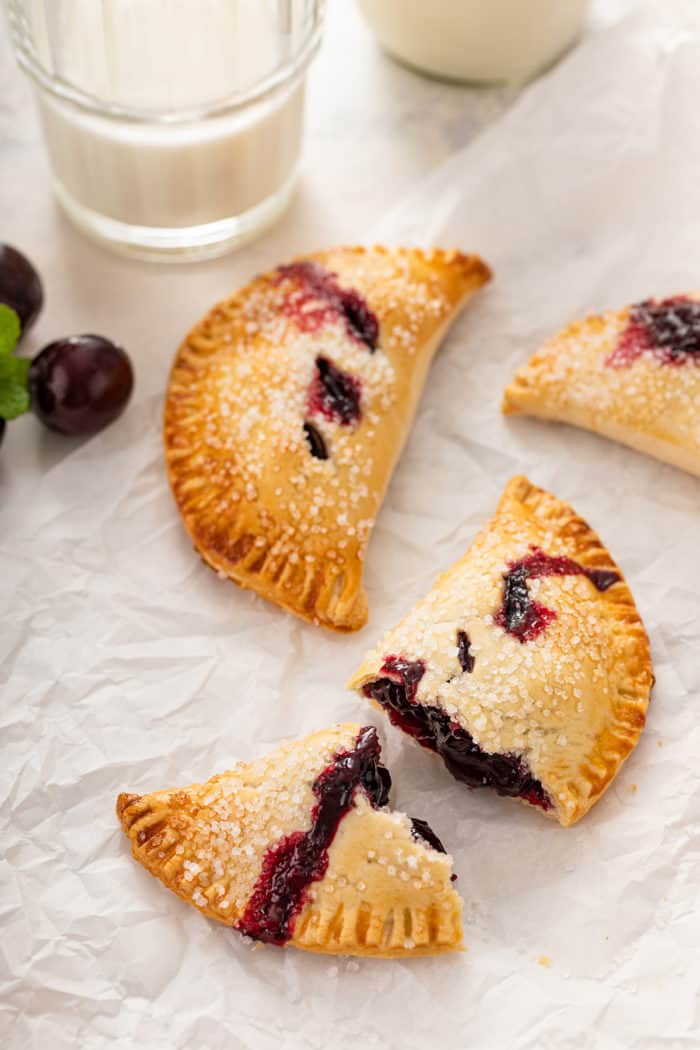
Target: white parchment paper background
[128, 665]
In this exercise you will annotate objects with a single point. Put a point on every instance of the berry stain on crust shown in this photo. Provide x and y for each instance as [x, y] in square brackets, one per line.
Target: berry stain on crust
[669, 330]
[334, 394]
[299, 859]
[523, 617]
[317, 299]
[432, 727]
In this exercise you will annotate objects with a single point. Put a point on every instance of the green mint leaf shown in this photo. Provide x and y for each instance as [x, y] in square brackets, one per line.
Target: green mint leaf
[9, 329]
[14, 395]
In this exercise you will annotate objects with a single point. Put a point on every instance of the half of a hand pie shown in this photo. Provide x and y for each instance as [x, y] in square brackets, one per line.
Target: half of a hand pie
[527, 667]
[287, 409]
[299, 848]
[632, 375]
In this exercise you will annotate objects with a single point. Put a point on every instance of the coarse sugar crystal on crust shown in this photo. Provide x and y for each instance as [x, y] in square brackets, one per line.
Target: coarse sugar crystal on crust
[287, 408]
[554, 695]
[632, 375]
[298, 848]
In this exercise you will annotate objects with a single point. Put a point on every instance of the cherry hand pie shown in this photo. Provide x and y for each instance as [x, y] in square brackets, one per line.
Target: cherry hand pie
[527, 667]
[299, 848]
[632, 375]
[287, 409]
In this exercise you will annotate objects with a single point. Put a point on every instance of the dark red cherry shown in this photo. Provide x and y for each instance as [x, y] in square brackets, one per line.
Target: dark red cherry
[20, 285]
[80, 384]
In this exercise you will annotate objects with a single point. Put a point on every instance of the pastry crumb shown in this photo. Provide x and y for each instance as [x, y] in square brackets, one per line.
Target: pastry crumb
[544, 960]
[659, 743]
[633, 788]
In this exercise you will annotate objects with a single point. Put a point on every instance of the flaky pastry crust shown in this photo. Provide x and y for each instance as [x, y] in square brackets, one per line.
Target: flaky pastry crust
[384, 892]
[649, 405]
[570, 703]
[259, 506]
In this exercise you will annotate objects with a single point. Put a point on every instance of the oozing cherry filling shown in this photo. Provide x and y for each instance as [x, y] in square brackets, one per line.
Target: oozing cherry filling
[466, 656]
[421, 830]
[334, 393]
[360, 322]
[434, 729]
[523, 617]
[669, 329]
[318, 299]
[317, 446]
[299, 859]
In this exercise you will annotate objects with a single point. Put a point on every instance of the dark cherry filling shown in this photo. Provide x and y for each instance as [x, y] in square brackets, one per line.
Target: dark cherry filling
[669, 329]
[302, 858]
[421, 830]
[523, 617]
[433, 728]
[334, 393]
[317, 445]
[361, 323]
[319, 299]
[466, 657]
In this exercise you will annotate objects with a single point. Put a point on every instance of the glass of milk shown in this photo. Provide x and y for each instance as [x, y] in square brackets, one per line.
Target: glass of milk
[482, 41]
[173, 127]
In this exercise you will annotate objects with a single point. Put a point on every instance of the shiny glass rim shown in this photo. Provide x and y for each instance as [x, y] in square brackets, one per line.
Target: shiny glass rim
[65, 92]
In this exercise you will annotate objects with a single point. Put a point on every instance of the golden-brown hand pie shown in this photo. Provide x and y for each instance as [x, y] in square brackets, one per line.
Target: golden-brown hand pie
[299, 848]
[527, 667]
[287, 408]
[632, 375]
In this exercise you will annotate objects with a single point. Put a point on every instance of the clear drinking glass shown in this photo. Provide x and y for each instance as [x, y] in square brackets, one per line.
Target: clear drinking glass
[477, 41]
[173, 127]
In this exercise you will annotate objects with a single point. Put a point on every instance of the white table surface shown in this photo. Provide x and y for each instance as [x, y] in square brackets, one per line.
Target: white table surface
[373, 129]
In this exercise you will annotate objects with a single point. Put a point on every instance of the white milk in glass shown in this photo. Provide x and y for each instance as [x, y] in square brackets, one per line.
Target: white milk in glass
[479, 40]
[154, 62]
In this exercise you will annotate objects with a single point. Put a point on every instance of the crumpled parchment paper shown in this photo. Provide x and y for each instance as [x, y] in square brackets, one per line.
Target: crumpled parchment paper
[126, 664]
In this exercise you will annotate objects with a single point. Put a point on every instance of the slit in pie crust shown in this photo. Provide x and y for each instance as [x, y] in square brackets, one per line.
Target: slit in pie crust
[300, 848]
[286, 411]
[632, 375]
[527, 667]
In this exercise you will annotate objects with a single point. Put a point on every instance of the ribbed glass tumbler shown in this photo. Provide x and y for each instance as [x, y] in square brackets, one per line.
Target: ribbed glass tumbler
[173, 127]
